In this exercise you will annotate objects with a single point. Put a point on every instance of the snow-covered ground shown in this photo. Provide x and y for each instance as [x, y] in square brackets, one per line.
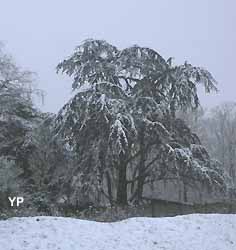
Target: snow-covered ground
[189, 232]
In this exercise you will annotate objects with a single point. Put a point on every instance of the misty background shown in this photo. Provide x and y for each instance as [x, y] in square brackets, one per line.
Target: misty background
[39, 34]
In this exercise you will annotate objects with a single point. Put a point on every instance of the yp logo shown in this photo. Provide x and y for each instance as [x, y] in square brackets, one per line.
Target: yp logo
[16, 201]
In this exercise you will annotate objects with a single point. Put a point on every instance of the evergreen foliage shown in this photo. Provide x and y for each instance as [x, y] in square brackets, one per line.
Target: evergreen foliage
[121, 122]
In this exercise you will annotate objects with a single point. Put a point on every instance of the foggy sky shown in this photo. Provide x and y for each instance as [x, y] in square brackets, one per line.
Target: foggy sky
[41, 33]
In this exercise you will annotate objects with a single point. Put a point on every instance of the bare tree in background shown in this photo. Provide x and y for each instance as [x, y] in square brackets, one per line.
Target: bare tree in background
[223, 128]
[217, 131]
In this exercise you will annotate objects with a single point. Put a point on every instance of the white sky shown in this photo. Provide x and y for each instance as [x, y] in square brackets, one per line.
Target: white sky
[41, 33]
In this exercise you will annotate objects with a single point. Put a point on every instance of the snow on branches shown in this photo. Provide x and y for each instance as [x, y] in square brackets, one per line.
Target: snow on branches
[124, 109]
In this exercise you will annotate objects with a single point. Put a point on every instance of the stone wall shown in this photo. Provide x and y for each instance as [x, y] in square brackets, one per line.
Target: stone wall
[161, 208]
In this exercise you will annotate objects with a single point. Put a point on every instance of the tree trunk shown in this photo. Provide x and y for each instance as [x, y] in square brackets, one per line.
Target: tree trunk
[109, 188]
[122, 183]
[185, 192]
[141, 177]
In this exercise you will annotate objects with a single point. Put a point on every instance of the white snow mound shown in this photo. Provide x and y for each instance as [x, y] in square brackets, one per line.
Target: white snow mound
[189, 232]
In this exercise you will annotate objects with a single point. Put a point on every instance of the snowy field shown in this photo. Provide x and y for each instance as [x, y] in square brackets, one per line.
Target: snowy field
[189, 232]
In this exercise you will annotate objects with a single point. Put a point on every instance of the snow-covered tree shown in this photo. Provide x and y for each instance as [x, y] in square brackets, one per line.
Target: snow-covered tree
[121, 121]
[18, 116]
